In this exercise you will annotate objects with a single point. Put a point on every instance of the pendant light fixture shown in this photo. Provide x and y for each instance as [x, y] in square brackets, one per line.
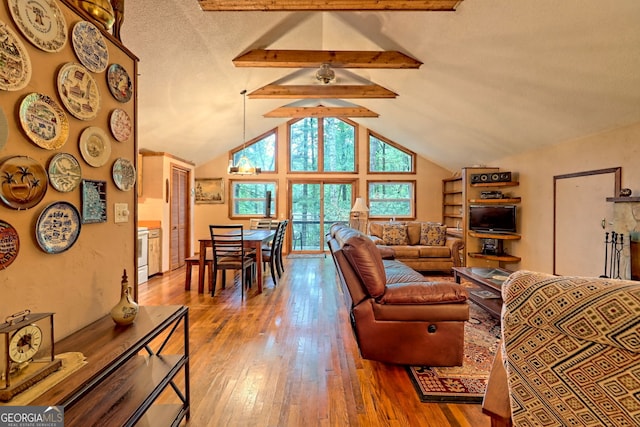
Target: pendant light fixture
[244, 166]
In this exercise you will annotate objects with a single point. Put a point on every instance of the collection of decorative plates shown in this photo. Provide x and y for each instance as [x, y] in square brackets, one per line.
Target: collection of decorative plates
[45, 123]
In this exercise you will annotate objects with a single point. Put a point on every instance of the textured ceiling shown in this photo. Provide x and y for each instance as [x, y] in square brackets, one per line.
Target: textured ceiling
[499, 77]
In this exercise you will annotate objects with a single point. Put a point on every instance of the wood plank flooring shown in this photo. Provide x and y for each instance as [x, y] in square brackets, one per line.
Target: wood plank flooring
[287, 357]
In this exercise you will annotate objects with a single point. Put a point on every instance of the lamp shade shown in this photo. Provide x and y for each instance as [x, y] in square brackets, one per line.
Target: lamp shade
[359, 206]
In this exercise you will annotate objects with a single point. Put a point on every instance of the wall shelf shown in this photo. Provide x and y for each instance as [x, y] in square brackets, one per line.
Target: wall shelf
[623, 199]
[500, 236]
[501, 258]
[496, 201]
[496, 184]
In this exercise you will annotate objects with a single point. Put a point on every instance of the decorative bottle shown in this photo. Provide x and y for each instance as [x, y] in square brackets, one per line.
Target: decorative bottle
[125, 312]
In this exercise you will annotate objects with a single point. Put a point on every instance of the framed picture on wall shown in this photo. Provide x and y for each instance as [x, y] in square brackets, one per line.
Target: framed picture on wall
[209, 190]
[94, 201]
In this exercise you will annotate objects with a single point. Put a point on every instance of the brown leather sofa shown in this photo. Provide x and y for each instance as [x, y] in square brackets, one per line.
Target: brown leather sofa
[397, 315]
[415, 251]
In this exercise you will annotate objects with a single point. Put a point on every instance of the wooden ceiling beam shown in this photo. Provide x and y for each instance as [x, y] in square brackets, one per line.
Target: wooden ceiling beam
[327, 5]
[321, 92]
[315, 58]
[320, 111]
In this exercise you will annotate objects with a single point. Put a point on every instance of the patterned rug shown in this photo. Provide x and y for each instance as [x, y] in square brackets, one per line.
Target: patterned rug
[466, 383]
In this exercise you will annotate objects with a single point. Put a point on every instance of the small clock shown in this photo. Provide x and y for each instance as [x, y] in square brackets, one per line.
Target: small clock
[26, 352]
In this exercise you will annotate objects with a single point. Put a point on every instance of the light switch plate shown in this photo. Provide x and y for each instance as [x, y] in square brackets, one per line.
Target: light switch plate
[121, 212]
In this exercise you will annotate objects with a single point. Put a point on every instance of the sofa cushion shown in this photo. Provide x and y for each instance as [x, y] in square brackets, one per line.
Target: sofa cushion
[365, 260]
[433, 234]
[423, 293]
[434, 252]
[413, 232]
[406, 251]
[394, 234]
[399, 272]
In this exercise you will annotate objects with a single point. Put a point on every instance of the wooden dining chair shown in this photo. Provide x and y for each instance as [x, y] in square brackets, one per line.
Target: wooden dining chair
[261, 223]
[270, 252]
[229, 253]
[279, 263]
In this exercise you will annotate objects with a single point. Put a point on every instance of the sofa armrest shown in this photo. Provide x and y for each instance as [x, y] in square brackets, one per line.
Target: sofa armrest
[377, 240]
[423, 293]
[496, 396]
[456, 245]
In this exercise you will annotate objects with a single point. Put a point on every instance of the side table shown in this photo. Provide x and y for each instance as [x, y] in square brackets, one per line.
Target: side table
[489, 281]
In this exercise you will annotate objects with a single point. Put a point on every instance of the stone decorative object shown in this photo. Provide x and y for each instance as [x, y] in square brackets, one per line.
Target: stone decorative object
[625, 192]
[125, 312]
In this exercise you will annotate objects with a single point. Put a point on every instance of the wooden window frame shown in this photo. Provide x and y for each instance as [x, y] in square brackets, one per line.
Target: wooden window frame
[395, 145]
[259, 138]
[231, 198]
[413, 183]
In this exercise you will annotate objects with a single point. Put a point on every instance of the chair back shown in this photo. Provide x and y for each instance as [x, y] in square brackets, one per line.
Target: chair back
[227, 241]
[262, 224]
[278, 238]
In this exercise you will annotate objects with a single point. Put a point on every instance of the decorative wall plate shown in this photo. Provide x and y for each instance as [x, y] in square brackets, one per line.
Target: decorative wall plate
[119, 83]
[64, 172]
[9, 244]
[78, 91]
[15, 65]
[4, 129]
[124, 174]
[24, 182]
[95, 146]
[44, 121]
[120, 124]
[94, 201]
[41, 22]
[58, 227]
[90, 47]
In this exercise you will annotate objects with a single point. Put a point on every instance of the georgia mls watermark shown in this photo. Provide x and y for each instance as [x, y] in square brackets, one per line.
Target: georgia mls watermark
[31, 416]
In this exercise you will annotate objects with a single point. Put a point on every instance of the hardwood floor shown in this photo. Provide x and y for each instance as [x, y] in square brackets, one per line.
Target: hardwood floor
[287, 357]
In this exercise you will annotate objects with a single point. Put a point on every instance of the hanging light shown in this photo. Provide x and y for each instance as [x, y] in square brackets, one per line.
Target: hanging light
[325, 74]
[244, 166]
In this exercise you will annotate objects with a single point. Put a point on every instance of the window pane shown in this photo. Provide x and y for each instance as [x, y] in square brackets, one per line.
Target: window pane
[303, 143]
[391, 199]
[261, 154]
[250, 198]
[339, 146]
[386, 158]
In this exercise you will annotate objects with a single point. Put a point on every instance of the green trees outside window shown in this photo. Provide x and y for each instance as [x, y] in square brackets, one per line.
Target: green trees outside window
[392, 199]
[261, 152]
[249, 198]
[385, 157]
[327, 145]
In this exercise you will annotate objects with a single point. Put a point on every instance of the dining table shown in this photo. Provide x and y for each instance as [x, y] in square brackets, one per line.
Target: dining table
[253, 239]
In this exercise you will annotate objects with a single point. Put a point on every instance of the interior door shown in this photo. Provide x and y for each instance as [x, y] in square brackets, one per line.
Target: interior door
[582, 217]
[179, 216]
[314, 206]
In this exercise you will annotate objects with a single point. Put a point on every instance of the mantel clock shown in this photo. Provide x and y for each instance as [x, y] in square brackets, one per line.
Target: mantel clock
[26, 352]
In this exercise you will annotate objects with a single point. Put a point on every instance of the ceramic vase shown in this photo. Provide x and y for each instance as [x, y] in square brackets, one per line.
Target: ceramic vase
[125, 312]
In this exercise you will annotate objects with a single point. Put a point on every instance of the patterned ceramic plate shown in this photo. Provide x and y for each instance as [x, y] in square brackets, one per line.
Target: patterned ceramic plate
[64, 172]
[41, 22]
[95, 146]
[124, 174]
[119, 83]
[9, 244]
[15, 65]
[78, 91]
[24, 182]
[44, 121]
[90, 47]
[58, 227]
[4, 129]
[120, 124]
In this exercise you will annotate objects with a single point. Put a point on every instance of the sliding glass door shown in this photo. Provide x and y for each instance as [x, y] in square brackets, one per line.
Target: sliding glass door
[315, 205]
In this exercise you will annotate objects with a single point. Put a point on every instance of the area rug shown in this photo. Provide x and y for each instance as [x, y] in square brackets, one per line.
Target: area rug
[466, 383]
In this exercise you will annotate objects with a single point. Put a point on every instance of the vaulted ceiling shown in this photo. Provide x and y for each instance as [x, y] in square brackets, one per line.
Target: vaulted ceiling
[498, 77]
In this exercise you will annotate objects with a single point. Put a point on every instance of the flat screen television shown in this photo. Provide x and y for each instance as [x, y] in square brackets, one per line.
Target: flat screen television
[495, 219]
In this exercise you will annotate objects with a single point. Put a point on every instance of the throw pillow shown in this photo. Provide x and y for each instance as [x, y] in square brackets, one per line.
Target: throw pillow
[394, 234]
[433, 234]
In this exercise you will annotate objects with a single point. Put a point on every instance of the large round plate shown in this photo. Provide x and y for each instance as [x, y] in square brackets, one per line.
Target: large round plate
[15, 65]
[24, 182]
[124, 174]
[4, 129]
[90, 47]
[64, 172]
[41, 22]
[9, 244]
[58, 227]
[120, 124]
[119, 83]
[44, 121]
[95, 146]
[78, 91]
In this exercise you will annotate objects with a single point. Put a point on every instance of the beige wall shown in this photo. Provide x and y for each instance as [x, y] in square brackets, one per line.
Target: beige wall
[617, 147]
[82, 283]
[428, 178]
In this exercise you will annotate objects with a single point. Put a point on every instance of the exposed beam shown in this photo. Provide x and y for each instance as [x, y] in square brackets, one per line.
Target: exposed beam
[321, 92]
[328, 5]
[315, 58]
[320, 111]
